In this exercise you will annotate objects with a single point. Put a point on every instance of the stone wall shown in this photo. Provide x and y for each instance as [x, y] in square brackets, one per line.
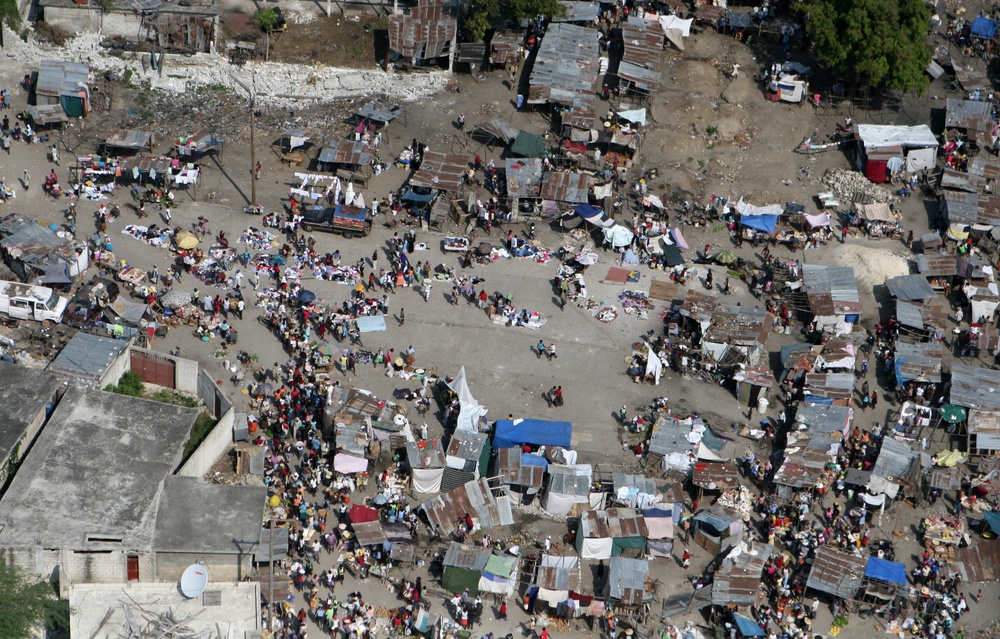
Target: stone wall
[170, 565]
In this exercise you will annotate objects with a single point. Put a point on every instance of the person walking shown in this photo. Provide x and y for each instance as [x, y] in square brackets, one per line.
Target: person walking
[551, 352]
[686, 559]
[402, 316]
[539, 349]
[256, 171]
[502, 612]
[843, 234]
[557, 400]
[874, 399]
[461, 122]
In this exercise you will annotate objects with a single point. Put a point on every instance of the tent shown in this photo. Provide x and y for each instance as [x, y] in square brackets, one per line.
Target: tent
[538, 432]
[463, 567]
[347, 464]
[654, 366]
[888, 571]
[362, 514]
[765, 223]
[471, 412]
[500, 575]
[748, 627]
[637, 116]
[528, 145]
[371, 323]
[618, 236]
[427, 464]
[568, 485]
[594, 214]
[983, 27]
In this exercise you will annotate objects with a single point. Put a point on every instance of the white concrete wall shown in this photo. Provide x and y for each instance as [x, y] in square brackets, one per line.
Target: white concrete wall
[81, 19]
[121, 365]
[211, 448]
[171, 565]
[186, 375]
[73, 567]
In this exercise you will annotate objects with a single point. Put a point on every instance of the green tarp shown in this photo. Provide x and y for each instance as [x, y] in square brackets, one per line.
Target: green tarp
[528, 145]
[625, 543]
[455, 580]
[499, 567]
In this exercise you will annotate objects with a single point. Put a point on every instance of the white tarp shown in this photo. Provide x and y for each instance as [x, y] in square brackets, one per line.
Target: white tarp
[426, 480]
[347, 464]
[749, 210]
[673, 22]
[983, 308]
[705, 454]
[635, 115]
[596, 548]
[876, 136]
[823, 219]
[917, 159]
[618, 236]
[659, 527]
[471, 411]
[654, 366]
[555, 597]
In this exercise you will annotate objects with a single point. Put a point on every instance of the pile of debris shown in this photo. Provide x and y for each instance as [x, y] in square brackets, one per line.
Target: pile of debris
[851, 186]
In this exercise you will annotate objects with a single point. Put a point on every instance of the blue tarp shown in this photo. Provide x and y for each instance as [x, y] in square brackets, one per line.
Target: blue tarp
[748, 627]
[413, 196]
[984, 27]
[815, 399]
[539, 432]
[594, 214]
[888, 571]
[993, 521]
[657, 512]
[764, 223]
[900, 377]
[529, 459]
[371, 323]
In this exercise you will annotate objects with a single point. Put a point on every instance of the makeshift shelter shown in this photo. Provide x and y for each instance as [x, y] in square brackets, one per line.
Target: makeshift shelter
[380, 111]
[522, 471]
[887, 149]
[610, 533]
[747, 627]
[528, 145]
[443, 171]
[474, 498]
[566, 65]
[567, 186]
[471, 412]
[524, 178]
[836, 573]
[568, 486]
[832, 293]
[198, 144]
[427, 463]
[974, 387]
[556, 577]
[983, 433]
[983, 27]
[883, 579]
[463, 566]
[534, 432]
[594, 214]
[717, 528]
[45, 115]
[428, 32]
[467, 457]
[737, 581]
[65, 84]
[628, 582]
[660, 530]
[500, 575]
[349, 464]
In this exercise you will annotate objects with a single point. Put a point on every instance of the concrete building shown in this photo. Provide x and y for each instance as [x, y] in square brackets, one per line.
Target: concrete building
[27, 397]
[94, 361]
[83, 505]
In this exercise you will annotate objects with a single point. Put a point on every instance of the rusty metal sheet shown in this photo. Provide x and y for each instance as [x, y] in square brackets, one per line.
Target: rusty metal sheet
[836, 573]
[980, 562]
[715, 475]
[473, 498]
[426, 33]
[566, 65]
[346, 152]
[626, 522]
[443, 171]
[566, 186]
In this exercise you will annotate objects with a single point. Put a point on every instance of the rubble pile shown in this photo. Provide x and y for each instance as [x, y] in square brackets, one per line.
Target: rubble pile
[851, 186]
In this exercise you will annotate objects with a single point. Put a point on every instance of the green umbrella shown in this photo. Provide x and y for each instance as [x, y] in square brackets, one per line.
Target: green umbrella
[725, 257]
[952, 414]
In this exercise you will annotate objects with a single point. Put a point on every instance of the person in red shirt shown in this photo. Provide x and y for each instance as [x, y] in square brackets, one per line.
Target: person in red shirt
[502, 614]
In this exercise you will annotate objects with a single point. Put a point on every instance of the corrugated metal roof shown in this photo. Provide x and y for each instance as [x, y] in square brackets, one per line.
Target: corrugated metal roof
[565, 65]
[643, 483]
[467, 557]
[920, 360]
[86, 357]
[380, 111]
[974, 387]
[628, 580]
[467, 445]
[801, 468]
[740, 326]
[893, 459]
[639, 75]
[830, 385]
[566, 186]
[910, 288]
[566, 480]
[430, 456]
[594, 525]
[738, 580]
[715, 475]
[473, 497]
[969, 78]
[351, 437]
[668, 436]
[56, 77]
[349, 152]
[831, 290]
[443, 171]
[626, 522]
[426, 33]
[823, 419]
[968, 114]
[643, 40]
[129, 139]
[961, 206]
[510, 468]
[524, 177]
[836, 573]
[984, 422]
[577, 11]
[980, 562]
[369, 533]
[559, 573]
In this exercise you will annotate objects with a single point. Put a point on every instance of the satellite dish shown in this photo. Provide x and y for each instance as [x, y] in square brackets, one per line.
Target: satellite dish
[194, 581]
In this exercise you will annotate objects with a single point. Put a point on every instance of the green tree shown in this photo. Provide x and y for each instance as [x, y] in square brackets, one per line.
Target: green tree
[521, 9]
[10, 14]
[130, 384]
[480, 14]
[266, 19]
[882, 41]
[26, 603]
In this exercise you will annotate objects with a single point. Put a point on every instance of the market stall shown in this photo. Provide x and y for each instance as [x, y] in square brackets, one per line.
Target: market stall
[427, 463]
[877, 220]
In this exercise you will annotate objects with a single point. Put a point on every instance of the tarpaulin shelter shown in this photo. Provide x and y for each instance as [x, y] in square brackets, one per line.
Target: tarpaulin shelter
[568, 485]
[427, 464]
[528, 145]
[362, 514]
[637, 116]
[463, 566]
[717, 528]
[609, 533]
[537, 432]
[556, 578]
[500, 574]
[916, 146]
[594, 214]
[983, 27]
[765, 223]
[371, 323]
[884, 570]
[618, 236]
[747, 627]
[348, 464]
[470, 412]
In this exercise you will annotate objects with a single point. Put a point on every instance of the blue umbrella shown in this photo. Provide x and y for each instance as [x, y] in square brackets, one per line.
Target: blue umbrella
[306, 296]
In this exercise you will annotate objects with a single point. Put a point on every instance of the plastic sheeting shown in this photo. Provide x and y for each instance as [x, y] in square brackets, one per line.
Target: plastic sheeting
[596, 548]
[426, 480]
[659, 527]
[673, 22]
[618, 236]
[765, 223]
[539, 432]
[983, 27]
[471, 412]
[347, 464]
[371, 323]
[654, 366]
[888, 571]
[594, 214]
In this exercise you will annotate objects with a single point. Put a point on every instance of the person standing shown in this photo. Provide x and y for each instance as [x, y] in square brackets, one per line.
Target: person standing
[461, 121]
[402, 316]
[686, 559]
[27, 180]
[256, 171]
[502, 612]
[874, 400]
[558, 399]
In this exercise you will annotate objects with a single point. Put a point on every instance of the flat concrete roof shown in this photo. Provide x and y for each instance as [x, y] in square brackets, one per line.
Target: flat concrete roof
[198, 517]
[233, 612]
[95, 471]
[23, 393]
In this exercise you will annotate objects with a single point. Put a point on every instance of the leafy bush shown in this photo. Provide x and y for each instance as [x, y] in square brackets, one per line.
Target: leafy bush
[130, 384]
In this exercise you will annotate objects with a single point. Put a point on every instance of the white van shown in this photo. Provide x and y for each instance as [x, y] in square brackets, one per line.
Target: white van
[24, 301]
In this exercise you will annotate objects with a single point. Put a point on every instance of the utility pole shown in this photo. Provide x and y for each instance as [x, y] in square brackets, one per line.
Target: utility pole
[253, 145]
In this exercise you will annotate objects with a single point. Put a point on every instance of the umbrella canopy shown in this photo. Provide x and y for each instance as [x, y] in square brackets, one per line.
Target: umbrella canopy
[485, 248]
[952, 413]
[326, 349]
[186, 240]
[618, 236]
[306, 296]
[265, 389]
[175, 298]
[725, 257]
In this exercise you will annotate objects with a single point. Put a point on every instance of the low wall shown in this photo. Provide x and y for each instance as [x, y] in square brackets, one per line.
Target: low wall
[220, 439]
